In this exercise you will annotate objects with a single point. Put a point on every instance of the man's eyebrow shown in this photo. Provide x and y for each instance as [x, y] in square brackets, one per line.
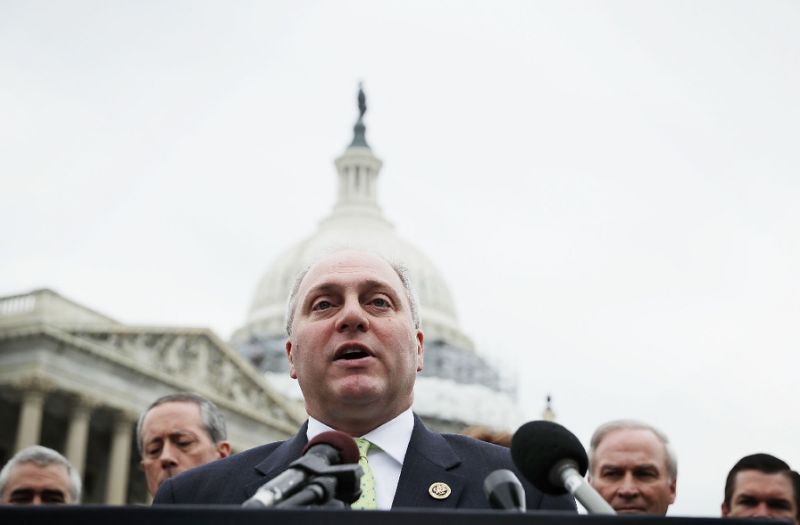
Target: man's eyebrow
[320, 289]
[371, 284]
[181, 433]
[363, 286]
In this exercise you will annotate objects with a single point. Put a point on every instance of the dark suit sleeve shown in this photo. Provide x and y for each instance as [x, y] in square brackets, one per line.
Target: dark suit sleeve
[164, 495]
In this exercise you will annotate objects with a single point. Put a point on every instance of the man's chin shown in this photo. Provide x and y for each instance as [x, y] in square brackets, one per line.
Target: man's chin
[631, 510]
[358, 388]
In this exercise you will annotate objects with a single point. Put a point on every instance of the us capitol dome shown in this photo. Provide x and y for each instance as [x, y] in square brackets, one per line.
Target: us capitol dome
[457, 386]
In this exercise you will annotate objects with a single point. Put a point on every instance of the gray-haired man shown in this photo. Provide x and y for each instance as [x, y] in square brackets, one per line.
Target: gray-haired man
[633, 467]
[178, 432]
[355, 346]
[38, 475]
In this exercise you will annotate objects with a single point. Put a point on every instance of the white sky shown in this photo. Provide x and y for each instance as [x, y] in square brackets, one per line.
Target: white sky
[610, 188]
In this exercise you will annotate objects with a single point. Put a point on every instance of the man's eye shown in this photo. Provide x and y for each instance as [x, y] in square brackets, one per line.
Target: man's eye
[780, 504]
[322, 305]
[152, 452]
[21, 496]
[380, 302]
[53, 496]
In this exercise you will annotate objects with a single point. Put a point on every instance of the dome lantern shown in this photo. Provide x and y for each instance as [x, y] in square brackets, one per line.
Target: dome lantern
[453, 370]
[358, 170]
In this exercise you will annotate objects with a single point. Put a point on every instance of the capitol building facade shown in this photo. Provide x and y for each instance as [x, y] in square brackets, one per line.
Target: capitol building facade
[75, 379]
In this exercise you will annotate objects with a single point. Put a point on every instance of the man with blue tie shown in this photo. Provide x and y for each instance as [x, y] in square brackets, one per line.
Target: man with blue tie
[355, 346]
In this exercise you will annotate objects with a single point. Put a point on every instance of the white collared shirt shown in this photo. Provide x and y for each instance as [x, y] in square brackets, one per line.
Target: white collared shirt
[386, 454]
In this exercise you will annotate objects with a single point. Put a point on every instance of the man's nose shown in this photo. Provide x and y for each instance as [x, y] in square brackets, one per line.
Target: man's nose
[761, 510]
[628, 487]
[37, 499]
[167, 457]
[352, 317]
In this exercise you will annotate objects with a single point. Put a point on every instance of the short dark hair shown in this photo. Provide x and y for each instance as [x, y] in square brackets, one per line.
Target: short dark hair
[766, 463]
[213, 421]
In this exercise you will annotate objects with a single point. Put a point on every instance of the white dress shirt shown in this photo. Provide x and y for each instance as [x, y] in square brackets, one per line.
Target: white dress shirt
[385, 455]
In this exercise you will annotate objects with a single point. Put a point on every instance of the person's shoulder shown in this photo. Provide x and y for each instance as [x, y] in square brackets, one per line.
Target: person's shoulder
[249, 457]
[213, 482]
[466, 443]
[474, 452]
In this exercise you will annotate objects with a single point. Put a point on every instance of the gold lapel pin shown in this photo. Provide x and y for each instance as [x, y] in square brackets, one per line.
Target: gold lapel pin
[439, 490]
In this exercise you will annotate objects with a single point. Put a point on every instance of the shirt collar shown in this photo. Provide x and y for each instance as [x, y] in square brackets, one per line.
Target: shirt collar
[392, 437]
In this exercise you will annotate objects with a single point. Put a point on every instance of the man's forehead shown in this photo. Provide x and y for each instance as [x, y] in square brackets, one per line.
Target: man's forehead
[27, 471]
[751, 479]
[350, 268]
[636, 446]
[174, 414]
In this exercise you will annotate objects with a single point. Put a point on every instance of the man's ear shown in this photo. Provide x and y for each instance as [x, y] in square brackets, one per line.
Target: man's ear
[724, 510]
[673, 485]
[420, 350]
[223, 449]
[292, 371]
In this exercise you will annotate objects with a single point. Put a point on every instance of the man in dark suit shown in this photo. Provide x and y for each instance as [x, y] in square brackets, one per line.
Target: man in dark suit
[355, 346]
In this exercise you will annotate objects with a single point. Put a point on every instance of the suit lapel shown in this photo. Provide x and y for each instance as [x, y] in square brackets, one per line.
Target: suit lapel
[429, 459]
[278, 460]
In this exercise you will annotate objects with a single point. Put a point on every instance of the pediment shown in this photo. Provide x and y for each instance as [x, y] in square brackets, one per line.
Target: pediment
[196, 360]
[177, 359]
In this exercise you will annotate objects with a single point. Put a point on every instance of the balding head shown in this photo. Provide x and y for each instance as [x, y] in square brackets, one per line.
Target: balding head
[353, 343]
[632, 466]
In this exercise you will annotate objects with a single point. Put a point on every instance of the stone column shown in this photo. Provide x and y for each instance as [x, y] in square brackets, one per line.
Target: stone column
[78, 433]
[30, 419]
[119, 460]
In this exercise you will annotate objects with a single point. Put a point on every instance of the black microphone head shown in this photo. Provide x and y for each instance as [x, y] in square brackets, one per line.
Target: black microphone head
[343, 443]
[537, 446]
[504, 490]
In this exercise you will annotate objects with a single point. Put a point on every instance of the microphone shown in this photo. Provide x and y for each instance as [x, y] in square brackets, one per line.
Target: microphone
[552, 458]
[326, 449]
[504, 491]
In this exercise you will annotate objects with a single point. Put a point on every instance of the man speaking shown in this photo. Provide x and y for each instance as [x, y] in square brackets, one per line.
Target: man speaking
[355, 346]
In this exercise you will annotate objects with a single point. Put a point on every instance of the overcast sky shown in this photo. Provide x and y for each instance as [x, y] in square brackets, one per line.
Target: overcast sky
[610, 188]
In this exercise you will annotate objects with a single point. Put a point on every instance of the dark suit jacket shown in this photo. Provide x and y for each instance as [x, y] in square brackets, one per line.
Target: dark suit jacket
[461, 462]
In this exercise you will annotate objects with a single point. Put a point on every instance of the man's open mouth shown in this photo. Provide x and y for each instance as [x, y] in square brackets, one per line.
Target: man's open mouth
[351, 353]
